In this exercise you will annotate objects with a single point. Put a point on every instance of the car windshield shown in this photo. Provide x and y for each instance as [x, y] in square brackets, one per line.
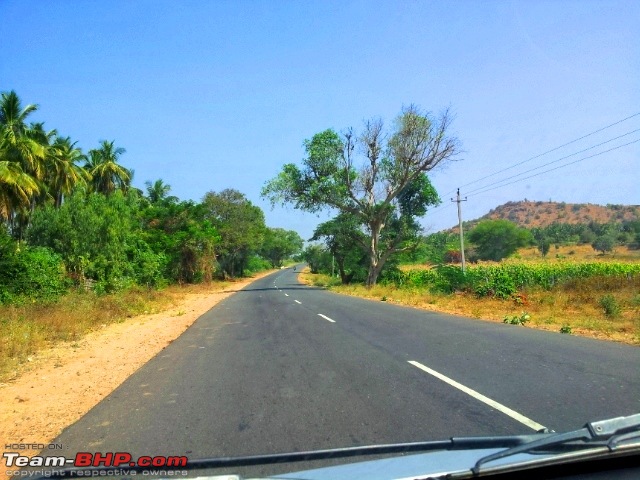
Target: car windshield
[238, 229]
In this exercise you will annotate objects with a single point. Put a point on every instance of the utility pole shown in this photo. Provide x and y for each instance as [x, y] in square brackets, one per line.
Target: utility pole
[458, 200]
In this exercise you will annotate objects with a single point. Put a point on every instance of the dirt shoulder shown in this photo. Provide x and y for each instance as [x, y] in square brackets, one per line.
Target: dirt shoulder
[66, 381]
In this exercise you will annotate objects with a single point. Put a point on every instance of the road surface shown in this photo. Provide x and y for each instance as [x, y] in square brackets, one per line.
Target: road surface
[283, 367]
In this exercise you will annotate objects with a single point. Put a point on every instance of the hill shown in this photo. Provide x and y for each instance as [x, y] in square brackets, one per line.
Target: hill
[542, 214]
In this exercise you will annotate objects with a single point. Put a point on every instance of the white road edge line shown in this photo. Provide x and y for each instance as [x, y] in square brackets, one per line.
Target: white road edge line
[478, 396]
[326, 318]
[298, 302]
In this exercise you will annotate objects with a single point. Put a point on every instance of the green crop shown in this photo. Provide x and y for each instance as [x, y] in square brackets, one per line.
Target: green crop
[503, 281]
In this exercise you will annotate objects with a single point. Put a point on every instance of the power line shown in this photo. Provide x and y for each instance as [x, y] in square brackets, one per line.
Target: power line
[486, 189]
[554, 161]
[555, 168]
[552, 150]
[440, 207]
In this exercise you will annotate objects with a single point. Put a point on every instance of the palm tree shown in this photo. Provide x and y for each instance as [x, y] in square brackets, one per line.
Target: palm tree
[107, 175]
[22, 156]
[16, 189]
[158, 191]
[64, 172]
[20, 142]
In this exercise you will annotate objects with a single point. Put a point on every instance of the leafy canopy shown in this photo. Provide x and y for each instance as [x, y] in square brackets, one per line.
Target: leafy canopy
[385, 192]
[497, 239]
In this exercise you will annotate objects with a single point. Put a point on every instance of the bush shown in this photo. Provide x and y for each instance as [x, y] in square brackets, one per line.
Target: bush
[449, 279]
[517, 319]
[499, 284]
[34, 273]
[257, 264]
[610, 305]
[99, 238]
[453, 256]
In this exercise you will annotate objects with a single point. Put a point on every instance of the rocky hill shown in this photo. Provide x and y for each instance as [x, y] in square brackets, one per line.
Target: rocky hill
[541, 214]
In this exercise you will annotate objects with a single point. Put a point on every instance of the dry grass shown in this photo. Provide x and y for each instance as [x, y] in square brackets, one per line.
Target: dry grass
[28, 329]
[575, 304]
[578, 253]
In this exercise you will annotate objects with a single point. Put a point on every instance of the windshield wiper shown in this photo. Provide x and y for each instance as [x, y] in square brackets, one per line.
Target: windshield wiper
[609, 433]
[454, 443]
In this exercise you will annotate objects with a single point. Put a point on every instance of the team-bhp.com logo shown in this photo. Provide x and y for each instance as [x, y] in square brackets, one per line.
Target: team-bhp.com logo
[91, 460]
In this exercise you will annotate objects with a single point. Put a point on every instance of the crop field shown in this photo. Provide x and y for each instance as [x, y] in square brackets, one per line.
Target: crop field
[506, 279]
[599, 298]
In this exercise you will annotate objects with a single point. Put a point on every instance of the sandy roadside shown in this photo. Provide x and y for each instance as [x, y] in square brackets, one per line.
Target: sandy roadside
[70, 379]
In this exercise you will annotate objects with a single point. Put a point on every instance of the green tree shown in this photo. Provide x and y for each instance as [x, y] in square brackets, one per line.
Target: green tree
[64, 174]
[543, 244]
[318, 257]
[98, 238]
[16, 189]
[240, 225]
[386, 193]
[158, 191]
[22, 156]
[604, 243]
[280, 244]
[181, 233]
[346, 242]
[497, 239]
[107, 175]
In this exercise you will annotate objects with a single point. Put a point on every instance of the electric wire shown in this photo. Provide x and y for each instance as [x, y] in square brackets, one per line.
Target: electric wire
[552, 150]
[544, 153]
[552, 162]
[555, 168]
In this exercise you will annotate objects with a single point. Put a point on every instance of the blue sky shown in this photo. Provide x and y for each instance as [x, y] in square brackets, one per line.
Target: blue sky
[209, 95]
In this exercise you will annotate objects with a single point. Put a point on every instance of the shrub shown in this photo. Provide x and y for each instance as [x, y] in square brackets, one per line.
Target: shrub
[257, 264]
[452, 256]
[448, 279]
[31, 272]
[497, 282]
[517, 319]
[610, 305]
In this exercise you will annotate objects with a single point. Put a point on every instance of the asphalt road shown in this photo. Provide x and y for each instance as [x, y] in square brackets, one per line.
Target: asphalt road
[283, 367]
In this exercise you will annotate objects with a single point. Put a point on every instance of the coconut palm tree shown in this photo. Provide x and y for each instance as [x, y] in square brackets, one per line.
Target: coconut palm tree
[64, 173]
[22, 156]
[107, 175]
[16, 189]
[20, 142]
[158, 191]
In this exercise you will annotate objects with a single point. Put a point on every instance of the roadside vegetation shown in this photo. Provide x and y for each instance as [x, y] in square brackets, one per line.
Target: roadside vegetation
[376, 182]
[600, 307]
[80, 246]
[559, 277]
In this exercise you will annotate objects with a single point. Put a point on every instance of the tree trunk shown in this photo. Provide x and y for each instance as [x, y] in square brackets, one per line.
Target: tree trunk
[343, 275]
[375, 265]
